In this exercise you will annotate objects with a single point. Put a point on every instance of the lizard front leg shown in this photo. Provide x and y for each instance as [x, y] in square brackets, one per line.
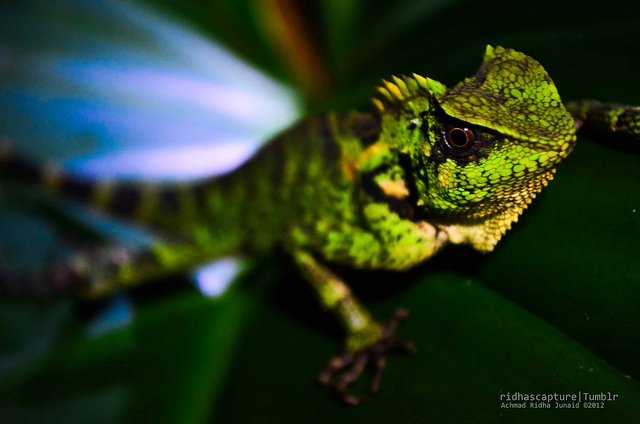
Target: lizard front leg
[367, 341]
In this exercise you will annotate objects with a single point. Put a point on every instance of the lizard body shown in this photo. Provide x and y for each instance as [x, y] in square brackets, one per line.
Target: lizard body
[384, 190]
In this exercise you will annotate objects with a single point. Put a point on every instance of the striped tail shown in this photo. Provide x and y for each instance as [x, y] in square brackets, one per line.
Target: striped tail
[149, 203]
[96, 271]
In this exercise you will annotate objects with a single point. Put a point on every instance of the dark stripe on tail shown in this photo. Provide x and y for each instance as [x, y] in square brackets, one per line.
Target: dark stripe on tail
[169, 200]
[173, 199]
[125, 200]
[200, 192]
[81, 188]
[330, 149]
[16, 167]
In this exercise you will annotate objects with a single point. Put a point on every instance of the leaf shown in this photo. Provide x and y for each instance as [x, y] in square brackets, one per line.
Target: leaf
[153, 100]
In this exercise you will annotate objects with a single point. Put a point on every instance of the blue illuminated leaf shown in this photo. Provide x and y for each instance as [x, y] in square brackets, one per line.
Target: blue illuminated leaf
[154, 99]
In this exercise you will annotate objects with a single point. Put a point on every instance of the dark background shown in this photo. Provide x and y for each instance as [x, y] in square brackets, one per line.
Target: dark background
[554, 309]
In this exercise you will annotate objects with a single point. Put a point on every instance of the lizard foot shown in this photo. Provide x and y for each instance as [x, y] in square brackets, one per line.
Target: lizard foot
[354, 361]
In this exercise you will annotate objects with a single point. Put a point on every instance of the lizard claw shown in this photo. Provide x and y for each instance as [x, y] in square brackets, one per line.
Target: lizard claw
[353, 363]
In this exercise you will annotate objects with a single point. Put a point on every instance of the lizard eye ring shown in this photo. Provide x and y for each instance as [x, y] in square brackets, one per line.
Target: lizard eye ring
[459, 138]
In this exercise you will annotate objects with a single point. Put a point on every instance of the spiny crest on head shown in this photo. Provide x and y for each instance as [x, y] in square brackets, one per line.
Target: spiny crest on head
[404, 89]
[512, 94]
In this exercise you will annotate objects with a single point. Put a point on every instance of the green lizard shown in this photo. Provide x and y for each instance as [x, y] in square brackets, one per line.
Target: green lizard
[383, 190]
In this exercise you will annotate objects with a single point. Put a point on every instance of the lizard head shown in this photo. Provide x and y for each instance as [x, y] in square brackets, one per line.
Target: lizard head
[482, 150]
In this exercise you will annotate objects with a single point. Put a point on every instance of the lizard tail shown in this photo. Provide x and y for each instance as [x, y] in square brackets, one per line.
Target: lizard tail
[96, 271]
[148, 203]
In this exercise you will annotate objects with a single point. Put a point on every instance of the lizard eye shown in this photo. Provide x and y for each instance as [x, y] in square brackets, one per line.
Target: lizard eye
[459, 138]
[459, 141]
